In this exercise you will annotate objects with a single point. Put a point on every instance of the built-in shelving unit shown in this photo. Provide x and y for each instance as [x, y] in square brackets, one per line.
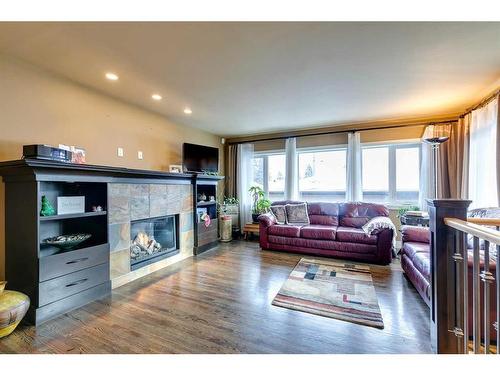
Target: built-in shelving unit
[57, 280]
[206, 237]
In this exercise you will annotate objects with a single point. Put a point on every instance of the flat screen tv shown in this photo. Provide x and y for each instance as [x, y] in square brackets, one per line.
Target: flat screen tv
[197, 158]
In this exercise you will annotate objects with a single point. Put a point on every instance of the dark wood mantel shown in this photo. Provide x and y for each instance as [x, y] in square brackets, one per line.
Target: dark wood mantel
[25, 169]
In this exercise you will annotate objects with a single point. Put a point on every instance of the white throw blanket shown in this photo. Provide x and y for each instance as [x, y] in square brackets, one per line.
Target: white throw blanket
[379, 223]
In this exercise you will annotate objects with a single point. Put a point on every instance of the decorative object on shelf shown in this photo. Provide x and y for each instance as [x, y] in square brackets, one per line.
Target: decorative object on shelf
[206, 219]
[202, 197]
[200, 212]
[67, 242]
[226, 233]
[78, 155]
[260, 203]
[435, 135]
[47, 208]
[209, 173]
[211, 198]
[97, 208]
[174, 168]
[13, 307]
[70, 205]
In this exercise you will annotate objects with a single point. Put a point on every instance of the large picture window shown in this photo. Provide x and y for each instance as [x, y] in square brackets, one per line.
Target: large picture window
[322, 175]
[390, 173]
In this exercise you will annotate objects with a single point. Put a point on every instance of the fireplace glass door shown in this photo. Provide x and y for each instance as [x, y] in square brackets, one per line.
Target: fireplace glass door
[151, 240]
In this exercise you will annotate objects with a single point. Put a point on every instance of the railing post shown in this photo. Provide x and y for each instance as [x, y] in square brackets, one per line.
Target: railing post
[443, 278]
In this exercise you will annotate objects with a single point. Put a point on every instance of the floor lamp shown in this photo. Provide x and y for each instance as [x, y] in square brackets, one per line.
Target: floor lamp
[435, 135]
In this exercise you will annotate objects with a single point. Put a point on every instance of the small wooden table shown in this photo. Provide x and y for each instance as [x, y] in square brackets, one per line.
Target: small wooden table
[250, 229]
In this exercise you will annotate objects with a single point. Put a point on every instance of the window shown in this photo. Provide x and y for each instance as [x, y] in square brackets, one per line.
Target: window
[375, 174]
[269, 173]
[322, 175]
[390, 173]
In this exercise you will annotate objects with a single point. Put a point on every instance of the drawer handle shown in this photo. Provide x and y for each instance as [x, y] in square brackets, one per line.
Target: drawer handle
[76, 282]
[77, 260]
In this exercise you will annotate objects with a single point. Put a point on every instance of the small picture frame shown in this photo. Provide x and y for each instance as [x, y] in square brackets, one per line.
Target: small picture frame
[175, 168]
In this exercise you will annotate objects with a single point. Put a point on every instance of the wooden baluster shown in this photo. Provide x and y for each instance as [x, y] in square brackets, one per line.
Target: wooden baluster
[458, 258]
[476, 316]
[465, 255]
[487, 278]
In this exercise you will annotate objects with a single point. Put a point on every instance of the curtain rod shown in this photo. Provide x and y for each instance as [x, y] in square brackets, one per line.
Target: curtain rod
[483, 102]
[276, 138]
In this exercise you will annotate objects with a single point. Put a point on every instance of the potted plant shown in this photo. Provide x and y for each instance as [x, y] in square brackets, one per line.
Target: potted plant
[260, 203]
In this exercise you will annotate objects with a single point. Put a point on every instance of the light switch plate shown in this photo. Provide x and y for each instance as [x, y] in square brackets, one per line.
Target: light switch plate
[120, 152]
[139, 155]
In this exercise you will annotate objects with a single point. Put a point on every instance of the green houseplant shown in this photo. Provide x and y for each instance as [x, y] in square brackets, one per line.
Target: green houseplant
[260, 203]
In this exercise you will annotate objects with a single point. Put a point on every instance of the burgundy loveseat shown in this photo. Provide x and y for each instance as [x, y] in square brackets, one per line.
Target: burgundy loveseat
[334, 231]
[416, 263]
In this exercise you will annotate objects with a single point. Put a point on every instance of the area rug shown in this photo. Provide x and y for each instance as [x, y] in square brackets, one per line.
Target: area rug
[336, 290]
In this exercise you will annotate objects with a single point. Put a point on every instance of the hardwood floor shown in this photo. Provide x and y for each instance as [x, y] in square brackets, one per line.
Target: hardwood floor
[220, 302]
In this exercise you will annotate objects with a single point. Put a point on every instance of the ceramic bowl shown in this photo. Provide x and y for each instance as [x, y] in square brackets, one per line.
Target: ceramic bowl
[67, 241]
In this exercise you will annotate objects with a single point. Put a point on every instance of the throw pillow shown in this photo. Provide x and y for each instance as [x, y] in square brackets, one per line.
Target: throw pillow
[296, 214]
[279, 214]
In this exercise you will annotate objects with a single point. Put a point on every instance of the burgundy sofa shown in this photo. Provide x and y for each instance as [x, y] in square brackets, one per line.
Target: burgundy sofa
[415, 261]
[334, 231]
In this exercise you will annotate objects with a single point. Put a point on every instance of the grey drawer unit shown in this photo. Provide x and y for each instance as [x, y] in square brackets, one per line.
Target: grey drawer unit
[72, 302]
[65, 286]
[64, 263]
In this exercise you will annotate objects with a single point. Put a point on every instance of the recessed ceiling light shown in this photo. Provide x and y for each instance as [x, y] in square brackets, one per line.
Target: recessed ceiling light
[111, 76]
[156, 96]
[187, 111]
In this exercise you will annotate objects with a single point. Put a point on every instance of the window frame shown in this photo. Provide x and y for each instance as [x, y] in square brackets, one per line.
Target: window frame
[392, 147]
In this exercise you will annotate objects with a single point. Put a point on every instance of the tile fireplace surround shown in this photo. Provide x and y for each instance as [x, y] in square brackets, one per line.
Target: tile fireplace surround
[129, 202]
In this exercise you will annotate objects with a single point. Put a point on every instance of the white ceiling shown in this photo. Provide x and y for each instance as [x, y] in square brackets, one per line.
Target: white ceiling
[248, 78]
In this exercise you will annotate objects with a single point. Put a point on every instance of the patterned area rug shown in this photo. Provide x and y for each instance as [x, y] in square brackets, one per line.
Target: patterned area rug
[336, 290]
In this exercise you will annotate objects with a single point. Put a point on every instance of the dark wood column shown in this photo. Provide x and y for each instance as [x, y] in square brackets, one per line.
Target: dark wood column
[443, 272]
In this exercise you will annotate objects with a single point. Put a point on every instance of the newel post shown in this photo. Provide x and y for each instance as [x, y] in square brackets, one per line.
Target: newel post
[442, 272]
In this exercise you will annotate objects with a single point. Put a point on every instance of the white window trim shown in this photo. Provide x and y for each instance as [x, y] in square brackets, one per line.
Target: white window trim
[392, 147]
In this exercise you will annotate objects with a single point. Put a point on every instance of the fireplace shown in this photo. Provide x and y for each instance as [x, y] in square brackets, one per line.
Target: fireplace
[153, 239]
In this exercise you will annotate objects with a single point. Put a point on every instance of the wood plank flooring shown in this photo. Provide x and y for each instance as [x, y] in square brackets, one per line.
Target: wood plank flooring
[220, 302]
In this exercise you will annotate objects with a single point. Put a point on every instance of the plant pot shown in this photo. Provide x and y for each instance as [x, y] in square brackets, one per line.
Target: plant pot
[255, 218]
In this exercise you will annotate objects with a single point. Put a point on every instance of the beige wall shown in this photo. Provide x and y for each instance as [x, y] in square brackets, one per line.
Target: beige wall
[37, 107]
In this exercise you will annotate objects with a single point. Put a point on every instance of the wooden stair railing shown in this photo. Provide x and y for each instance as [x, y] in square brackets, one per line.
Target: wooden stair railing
[450, 230]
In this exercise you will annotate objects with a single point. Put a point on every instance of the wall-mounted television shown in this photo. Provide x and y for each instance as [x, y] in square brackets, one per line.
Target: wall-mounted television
[197, 158]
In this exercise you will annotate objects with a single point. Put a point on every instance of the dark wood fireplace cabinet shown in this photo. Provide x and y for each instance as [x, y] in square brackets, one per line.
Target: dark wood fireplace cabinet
[56, 280]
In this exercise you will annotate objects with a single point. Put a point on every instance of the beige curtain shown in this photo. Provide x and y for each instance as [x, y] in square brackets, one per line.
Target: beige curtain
[231, 170]
[453, 161]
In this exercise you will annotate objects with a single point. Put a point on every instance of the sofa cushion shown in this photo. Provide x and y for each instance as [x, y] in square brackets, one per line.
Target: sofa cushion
[296, 214]
[279, 213]
[349, 234]
[357, 214]
[284, 230]
[291, 243]
[411, 248]
[323, 213]
[319, 232]
[419, 254]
